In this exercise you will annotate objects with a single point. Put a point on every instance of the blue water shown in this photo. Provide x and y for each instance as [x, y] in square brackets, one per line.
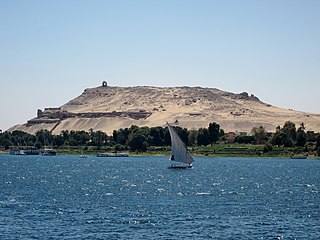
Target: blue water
[68, 197]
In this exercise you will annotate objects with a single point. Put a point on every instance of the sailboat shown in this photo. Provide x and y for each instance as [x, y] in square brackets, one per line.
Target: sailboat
[82, 155]
[179, 151]
[47, 151]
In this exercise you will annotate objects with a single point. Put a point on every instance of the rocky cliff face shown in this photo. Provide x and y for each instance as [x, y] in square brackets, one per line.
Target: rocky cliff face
[108, 108]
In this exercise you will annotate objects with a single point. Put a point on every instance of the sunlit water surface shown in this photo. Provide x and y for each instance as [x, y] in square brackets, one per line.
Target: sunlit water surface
[68, 197]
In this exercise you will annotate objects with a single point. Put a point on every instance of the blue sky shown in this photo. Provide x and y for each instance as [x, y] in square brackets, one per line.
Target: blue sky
[50, 51]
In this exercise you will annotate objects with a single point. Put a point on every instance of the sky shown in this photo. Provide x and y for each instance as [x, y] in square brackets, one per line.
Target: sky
[50, 51]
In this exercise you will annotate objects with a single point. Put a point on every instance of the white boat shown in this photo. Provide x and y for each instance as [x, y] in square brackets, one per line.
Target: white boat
[17, 152]
[49, 152]
[299, 156]
[28, 151]
[179, 151]
[83, 155]
[112, 155]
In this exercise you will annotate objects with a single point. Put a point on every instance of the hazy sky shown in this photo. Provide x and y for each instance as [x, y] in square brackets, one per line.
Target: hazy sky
[50, 51]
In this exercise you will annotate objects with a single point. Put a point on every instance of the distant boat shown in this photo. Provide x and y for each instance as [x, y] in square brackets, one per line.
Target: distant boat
[82, 155]
[48, 152]
[299, 156]
[17, 152]
[29, 151]
[179, 151]
[112, 155]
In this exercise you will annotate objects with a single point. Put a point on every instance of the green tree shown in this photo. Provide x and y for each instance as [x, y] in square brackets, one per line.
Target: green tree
[144, 130]
[121, 136]
[137, 141]
[301, 136]
[99, 138]
[244, 139]
[84, 137]
[192, 137]
[311, 136]
[214, 132]
[114, 135]
[157, 136]
[285, 136]
[65, 135]
[267, 148]
[72, 141]
[44, 137]
[318, 144]
[30, 139]
[58, 140]
[289, 129]
[278, 138]
[5, 140]
[119, 147]
[38, 145]
[17, 138]
[203, 138]
[222, 134]
[138, 138]
[318, 141]
[259, 134]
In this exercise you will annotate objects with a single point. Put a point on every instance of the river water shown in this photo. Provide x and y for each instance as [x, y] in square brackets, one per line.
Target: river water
[68, 197]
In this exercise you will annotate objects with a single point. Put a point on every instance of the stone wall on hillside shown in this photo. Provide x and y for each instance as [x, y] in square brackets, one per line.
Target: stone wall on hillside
[53, 115]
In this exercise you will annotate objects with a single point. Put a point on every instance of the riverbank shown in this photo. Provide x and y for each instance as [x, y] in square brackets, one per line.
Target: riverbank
[216, 150]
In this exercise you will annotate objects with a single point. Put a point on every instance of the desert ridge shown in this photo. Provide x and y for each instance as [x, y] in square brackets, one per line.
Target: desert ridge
[107, 108]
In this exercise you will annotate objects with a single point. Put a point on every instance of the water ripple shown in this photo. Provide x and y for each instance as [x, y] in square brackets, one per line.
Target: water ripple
[221, 198]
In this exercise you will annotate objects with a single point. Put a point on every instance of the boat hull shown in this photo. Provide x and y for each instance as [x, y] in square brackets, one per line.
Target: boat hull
[24, 152]
[180, 167]
[112, 155]
[48, 152]
[299, 156]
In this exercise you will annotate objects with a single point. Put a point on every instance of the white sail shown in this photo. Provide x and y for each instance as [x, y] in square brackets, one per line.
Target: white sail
[179, 151]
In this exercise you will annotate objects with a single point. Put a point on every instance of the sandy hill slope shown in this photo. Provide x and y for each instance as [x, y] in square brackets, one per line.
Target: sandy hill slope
[108, 108]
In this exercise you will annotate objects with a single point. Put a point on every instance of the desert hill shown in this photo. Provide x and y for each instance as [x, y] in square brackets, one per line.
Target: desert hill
[107, 108]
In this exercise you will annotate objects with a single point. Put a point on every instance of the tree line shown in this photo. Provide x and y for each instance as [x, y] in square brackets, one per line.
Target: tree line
[140, 138]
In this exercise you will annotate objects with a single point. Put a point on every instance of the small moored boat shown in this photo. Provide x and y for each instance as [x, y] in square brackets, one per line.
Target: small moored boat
[48, 152]
[299, 156]
[112, 155]
[28, 151]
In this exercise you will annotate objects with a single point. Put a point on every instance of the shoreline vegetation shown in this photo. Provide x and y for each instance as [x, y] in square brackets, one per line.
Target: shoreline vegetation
[235, 151]
[217, 150]
[155, 141]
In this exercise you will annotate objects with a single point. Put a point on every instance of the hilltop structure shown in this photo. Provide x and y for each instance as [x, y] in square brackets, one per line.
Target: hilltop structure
[109, 108]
